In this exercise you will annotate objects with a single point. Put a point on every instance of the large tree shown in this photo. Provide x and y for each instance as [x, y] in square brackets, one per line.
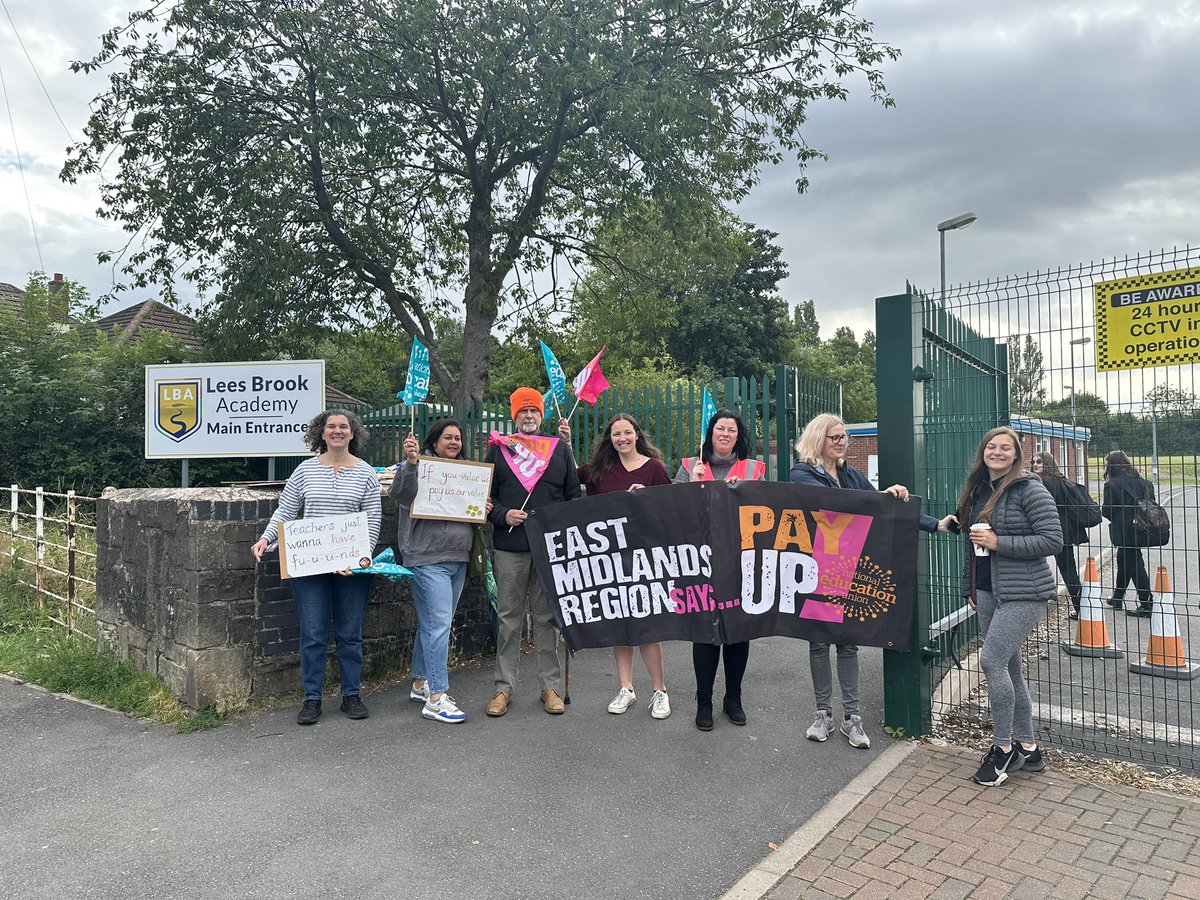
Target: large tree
[353, 157]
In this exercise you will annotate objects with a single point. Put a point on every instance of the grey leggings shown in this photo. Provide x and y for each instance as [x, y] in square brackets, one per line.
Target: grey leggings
[1005, 627]
[822, 678]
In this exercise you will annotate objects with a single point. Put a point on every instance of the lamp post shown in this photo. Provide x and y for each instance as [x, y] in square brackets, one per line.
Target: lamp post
[954, 224]
[1078, 342]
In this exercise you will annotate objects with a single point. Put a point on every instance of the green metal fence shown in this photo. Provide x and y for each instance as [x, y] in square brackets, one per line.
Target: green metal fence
[1021, 350]
[772, 406]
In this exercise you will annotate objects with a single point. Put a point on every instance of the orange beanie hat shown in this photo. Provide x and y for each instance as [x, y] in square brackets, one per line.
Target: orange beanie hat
[523, 397]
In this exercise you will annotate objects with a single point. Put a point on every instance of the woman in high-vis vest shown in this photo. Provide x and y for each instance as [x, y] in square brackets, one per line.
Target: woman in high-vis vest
[725, 456]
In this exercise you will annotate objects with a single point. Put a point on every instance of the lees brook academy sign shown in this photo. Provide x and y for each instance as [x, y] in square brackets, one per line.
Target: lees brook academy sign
[198, 410]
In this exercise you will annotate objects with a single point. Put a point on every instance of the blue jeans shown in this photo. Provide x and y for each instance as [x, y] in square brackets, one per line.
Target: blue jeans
[436, 589]
[317, 598]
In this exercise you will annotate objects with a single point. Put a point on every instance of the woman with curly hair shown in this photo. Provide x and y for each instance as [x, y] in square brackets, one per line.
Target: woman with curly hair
[625, 460]
[334, 482]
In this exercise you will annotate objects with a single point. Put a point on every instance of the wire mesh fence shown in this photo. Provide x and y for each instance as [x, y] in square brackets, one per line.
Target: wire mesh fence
[1022, 351]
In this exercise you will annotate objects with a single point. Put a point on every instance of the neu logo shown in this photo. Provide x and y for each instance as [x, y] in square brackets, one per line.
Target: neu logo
[177, 408]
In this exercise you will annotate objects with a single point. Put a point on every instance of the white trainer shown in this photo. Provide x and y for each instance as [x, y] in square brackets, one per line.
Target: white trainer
[443, 710]
[821, 727]
[852, 728]
[419, 694]
[624, 699]
[660, 706]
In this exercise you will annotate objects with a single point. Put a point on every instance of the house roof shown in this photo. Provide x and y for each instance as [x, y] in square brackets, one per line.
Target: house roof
[128, 323]
[10, 297]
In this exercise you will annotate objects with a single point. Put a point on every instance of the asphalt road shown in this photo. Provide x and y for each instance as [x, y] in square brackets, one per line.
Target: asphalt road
[96, 805]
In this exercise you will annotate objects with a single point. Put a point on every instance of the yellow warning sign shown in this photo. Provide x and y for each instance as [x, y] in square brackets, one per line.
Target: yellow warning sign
[1148, 321]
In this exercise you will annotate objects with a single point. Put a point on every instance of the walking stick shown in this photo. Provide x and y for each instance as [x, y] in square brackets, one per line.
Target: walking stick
[567, 677]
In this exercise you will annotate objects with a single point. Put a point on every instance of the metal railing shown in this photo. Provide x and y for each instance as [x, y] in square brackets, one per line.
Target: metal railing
[51, 549]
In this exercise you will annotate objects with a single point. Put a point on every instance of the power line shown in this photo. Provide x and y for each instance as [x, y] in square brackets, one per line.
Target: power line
[36, 74]
[21, 169]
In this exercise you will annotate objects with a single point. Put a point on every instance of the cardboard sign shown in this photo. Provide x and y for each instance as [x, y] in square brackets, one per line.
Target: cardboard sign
[324, 544]
[453, 490]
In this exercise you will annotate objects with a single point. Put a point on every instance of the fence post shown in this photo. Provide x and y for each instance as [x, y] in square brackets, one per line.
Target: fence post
[13, 527]
[39, 531]
[907, 693]
[71, 510]
[783, 422]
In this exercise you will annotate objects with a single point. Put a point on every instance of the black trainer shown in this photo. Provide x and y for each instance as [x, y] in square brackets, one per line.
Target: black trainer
[1031, 760]
[353, 707]
[998, 765]
[309, 713]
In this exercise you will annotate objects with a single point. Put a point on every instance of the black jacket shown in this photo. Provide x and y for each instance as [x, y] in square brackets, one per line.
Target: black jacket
[1073, 532]
[1121, 495]
[559, 482]
[851, 480]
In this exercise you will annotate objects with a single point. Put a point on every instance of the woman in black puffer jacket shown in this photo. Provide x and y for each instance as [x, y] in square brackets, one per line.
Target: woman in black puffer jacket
[1124, 486]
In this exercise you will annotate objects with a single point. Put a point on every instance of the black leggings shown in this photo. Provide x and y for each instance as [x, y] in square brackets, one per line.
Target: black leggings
[1132, 567]
[1069, 569]
[704, 661]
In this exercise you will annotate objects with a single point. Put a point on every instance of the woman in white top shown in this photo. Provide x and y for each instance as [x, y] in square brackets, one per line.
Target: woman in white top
[335, 482]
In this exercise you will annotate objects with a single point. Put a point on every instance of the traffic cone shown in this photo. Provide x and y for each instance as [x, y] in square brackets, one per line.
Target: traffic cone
[1091, 631]
[1165, 655]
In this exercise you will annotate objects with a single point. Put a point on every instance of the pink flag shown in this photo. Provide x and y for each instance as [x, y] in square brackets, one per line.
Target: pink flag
[591, 383]
[527, 455]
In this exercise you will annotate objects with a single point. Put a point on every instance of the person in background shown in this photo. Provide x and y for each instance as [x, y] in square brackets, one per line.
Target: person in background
[821, 462]
[436, 551]
[1124, 486]
[725, 456]
[517, 583]
[1044, 467]
[335, 482]
[624, 460]
[1012, 526]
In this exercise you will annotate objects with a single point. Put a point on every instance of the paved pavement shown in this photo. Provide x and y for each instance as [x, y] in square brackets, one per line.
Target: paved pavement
[914, 825]
[96, 805]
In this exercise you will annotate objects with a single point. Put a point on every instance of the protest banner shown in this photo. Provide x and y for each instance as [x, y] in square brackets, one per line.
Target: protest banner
[324, 544]
[452, 489]
[716, 563]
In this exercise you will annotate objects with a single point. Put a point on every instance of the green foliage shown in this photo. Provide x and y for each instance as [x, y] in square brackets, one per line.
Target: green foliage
[1026, 375]
[844, 359]
[332, 161]
[74, 401]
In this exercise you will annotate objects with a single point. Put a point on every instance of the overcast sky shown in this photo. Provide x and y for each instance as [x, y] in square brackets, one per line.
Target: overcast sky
[1070, 128]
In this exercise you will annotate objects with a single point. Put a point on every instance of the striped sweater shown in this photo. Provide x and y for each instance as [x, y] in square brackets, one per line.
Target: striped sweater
[315, 490]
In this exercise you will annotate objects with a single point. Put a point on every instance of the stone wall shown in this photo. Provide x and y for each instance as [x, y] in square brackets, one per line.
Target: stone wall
[179, 594]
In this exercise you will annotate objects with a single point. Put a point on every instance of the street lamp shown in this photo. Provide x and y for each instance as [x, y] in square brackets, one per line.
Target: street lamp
[951, 225]
[1078, 342]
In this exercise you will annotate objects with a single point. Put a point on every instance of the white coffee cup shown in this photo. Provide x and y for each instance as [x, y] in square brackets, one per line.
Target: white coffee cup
[981, 550]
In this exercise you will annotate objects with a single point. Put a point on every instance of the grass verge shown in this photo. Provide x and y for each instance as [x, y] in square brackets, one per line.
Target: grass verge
[37, 650]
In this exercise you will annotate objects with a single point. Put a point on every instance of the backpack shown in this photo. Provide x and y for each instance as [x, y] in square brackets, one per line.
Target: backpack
[1151, 525]
[1083, 509]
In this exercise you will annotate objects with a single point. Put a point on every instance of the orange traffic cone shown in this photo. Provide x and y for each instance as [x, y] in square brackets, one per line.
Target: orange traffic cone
[1165, 655]
[1091, 633]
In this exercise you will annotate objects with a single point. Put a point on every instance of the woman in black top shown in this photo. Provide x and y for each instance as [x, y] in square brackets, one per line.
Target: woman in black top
[1044, 466]
[1123, 488]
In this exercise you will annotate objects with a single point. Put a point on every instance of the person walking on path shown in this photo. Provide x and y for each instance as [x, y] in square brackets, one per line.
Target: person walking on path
[335, 482]
[725, 455]
[436, 551]
[625, 460]
[1124, 486]
[1013, 526]
[1074, 533]
[821, 462]
[517, 584]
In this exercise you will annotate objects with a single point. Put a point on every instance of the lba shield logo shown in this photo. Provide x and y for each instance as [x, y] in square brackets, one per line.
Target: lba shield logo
[177, 407]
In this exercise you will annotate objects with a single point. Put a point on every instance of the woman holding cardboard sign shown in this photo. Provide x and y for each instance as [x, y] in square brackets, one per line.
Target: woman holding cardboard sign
[625, 460]
[335, 482]
[436, 550]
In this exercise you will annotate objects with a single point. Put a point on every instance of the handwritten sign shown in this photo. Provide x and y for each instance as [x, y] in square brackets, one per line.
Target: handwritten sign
[454, 490]
[324, 544]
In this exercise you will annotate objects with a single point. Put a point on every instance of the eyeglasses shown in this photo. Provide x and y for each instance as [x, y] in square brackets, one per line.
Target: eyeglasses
[837, 438]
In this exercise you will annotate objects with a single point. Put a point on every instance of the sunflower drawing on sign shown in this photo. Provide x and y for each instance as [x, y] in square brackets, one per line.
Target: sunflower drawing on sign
[177, 407]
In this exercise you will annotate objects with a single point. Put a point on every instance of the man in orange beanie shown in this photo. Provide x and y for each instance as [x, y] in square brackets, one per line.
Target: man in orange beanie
[517, 585]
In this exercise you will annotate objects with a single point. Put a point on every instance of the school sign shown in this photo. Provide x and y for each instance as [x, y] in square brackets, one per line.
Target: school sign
[197, 410]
